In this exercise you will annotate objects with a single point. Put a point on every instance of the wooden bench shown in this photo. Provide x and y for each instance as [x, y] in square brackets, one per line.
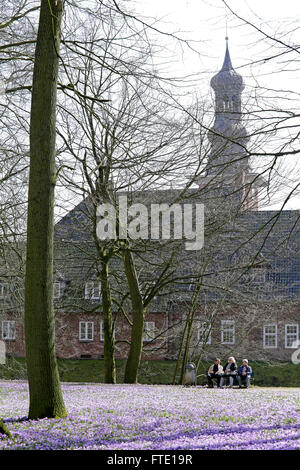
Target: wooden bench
[235, 382]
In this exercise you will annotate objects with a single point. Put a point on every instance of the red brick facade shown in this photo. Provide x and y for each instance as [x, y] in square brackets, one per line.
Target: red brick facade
[246, 334]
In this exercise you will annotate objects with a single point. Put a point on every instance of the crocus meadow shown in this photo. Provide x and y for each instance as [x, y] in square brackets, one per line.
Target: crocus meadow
[153, 417]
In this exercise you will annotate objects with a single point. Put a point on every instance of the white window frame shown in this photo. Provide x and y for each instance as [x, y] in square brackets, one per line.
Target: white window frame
[202, 327]
[149, 329]
[4, 289]
[269, 286]
[227, 329]
[85, 337]
[258, 275]
[60, 286]
[254, 191]
[149, 285]
[91, 287]
[9, 325]
[266, 346]
[287, 335]
[101, 336]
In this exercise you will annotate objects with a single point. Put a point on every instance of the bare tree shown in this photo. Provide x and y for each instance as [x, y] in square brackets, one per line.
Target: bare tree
[115, 146]
[45, 393]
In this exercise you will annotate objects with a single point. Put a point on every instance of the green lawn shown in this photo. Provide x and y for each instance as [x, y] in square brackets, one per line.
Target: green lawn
[153, 372]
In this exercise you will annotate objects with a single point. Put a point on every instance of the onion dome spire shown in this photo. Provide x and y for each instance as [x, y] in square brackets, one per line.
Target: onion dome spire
[227, 61]
[228, 136]
[227, 79]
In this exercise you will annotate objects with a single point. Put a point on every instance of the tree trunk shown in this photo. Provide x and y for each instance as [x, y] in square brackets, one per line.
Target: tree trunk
[4, 430]
[138, 313]
[187, 334]
[108, 329]
[186, 350]
[180, 352]
[44, 385]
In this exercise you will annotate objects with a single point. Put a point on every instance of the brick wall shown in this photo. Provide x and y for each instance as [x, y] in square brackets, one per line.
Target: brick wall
[14, 347]
[248, 334]
[68, 343]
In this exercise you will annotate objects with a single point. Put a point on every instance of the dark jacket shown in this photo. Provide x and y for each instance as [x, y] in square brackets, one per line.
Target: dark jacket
[232, 367]
[248, 370]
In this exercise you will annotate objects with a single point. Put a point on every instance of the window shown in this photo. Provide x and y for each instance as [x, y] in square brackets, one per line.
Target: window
[254, 193]
[149, 285]
[57, 289]
[4, 289]
[149, 331]
[203, 332]
[8, 330]
[269, 285]
[226, 102]
[291, 335]
[86, 331]
[92, 290]
[102, 331]
[234, 103]
[258, 275]
[270, 336]
[227, 332]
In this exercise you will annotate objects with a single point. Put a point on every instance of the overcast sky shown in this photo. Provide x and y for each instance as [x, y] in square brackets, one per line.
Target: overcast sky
[206, 22]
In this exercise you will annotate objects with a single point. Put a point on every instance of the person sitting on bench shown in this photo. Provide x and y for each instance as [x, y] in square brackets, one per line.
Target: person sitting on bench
[229, 372]
[244, 374]
[214, 372]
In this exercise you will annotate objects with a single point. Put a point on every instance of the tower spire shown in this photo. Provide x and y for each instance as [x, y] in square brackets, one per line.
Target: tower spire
[227, 65]
[228, 136]
[228, 171]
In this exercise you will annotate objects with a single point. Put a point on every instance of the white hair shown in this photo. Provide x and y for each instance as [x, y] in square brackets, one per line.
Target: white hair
[245, 360]
[231, 357]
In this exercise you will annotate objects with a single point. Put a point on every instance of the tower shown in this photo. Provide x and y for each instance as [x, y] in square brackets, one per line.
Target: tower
[228, 167]
[228, 137]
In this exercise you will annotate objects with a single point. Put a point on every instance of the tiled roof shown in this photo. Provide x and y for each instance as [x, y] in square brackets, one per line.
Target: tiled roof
[273, 236]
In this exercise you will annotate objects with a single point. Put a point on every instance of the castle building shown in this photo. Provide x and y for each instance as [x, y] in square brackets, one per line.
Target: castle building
[249, 301]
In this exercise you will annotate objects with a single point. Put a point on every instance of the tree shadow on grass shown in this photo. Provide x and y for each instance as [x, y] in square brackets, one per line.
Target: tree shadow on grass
[52, 439]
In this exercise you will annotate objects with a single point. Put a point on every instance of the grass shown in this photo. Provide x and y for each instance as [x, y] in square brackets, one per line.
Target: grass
[139, 417]
[282, 374]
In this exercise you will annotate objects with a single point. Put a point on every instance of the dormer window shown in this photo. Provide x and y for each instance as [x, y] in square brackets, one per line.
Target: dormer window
[92, 290]
[149, 285]
[4, 289]
[258, 275]
[58, 288]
